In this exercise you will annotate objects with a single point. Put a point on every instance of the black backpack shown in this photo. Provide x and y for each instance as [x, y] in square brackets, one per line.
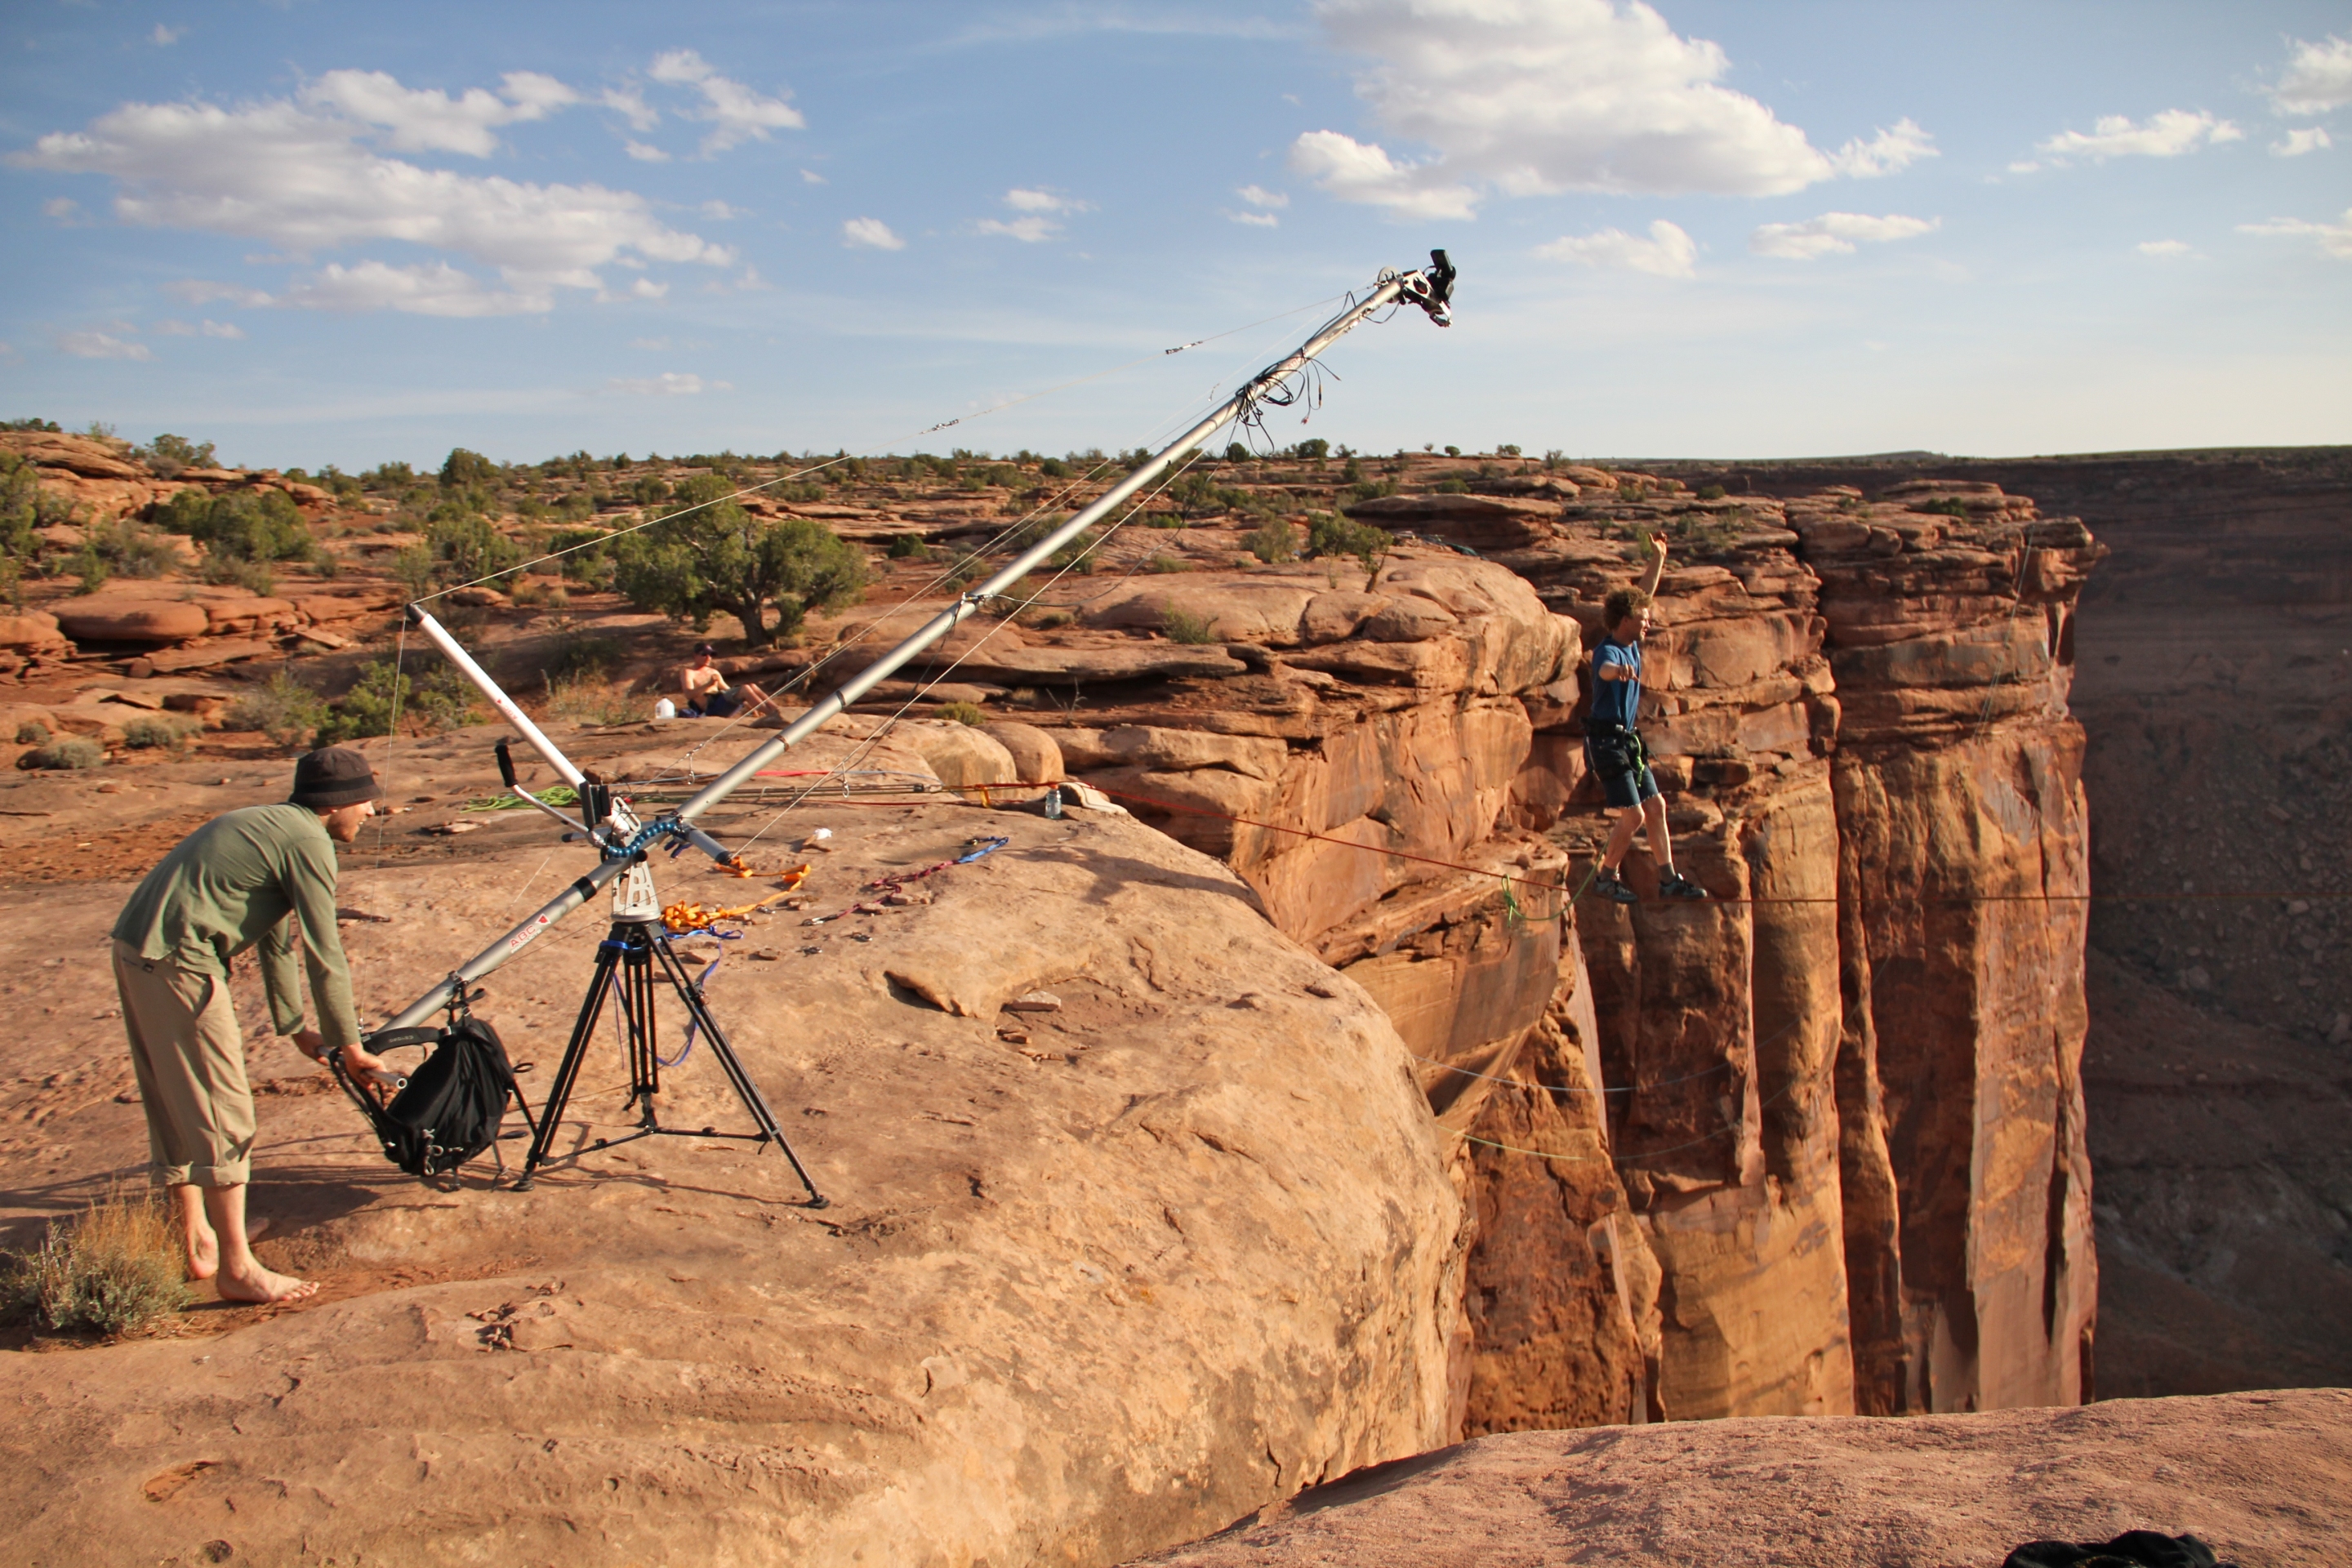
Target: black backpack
[454, 1102]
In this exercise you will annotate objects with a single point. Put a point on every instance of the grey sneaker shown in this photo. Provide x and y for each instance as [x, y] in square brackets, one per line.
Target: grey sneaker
[1674, 885]
[1610, 884]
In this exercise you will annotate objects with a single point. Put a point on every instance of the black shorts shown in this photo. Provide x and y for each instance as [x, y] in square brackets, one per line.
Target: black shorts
[714, 704]
[1624, 770]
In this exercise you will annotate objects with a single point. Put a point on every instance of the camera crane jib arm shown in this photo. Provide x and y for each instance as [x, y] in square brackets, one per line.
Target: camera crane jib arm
[624, 841]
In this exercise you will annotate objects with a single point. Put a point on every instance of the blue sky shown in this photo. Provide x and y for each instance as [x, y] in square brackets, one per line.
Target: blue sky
[324, 233]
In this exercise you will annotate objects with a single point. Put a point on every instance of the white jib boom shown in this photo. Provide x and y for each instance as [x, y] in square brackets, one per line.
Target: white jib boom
[1429, 289]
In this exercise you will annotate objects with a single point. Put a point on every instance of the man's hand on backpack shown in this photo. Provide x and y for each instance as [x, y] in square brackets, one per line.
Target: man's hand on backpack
[360, 1064]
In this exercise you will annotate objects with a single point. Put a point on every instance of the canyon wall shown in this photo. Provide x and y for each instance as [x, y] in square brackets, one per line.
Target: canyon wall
[1815, 1146]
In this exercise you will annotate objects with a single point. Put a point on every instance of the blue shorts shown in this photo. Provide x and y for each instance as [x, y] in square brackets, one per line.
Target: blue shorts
[1623, 782]
[714, 704]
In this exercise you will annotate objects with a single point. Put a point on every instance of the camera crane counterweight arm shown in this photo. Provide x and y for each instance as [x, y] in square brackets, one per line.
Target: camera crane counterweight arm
[624, 841]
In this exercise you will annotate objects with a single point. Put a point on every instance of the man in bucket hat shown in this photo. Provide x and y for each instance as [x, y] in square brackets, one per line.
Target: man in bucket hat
[264, 875]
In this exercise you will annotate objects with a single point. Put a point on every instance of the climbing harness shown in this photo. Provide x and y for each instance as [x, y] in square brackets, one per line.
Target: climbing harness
[974, 849]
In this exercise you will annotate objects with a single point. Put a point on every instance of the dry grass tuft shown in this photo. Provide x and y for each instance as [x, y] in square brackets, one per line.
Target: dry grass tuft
[114, 1269]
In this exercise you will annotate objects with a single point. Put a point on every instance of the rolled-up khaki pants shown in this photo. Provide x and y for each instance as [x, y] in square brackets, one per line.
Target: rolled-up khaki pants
[190, 1059]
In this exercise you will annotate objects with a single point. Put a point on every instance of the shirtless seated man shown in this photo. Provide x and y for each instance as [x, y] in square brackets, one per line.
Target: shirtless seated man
[707, 693]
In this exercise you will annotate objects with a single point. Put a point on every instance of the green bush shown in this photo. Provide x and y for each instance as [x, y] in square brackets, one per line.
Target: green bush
[91, 567]
[71, 753]
[962, 713]
[584, 557]
[463, 469]
[1314, 450]
[1165, 563]
[253, 576]
[1945, 506]
[908, 547]
[1710, 492]
[437, 700]
[158, 732]
[413, 568]
[283, 709]
[1183, 627]
[243, 525]
[1273, 542]
[32, 732]
[718, 557]
[1328, 535]
[115, 1269]
[132, 550]
[466, 544]
[169, 453]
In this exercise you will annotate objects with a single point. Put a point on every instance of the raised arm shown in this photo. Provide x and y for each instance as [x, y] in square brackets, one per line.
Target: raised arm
[1657, 565]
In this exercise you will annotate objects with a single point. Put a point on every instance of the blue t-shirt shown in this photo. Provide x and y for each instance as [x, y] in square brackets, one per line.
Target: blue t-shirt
[1617, 701]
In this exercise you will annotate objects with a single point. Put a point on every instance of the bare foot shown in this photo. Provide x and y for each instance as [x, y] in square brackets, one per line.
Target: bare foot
[264, 1287]
[204, 1253]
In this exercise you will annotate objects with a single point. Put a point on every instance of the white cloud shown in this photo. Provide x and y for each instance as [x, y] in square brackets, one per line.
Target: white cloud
[1259, 197]
[1028, 230]
[736, 113]
[2336, 238]
[643, 151]
[646, 289]
[168, 328]
[669, 384]
[301, 180]
[652, 345]
[428, 289]
[1834, 234]
[1258, 220]
[2318, 78]
[2295, 144]
[101, 345]
[1668, 252]
[164, 37]
[811, 177]
[223, 329]
[2166, 135]
[1361, 171]
[428, 119]
[1021, 199]
[1895, 148]
[64, 210]
[722, 212]
[871, 233]
[201, 292]
[2164, 247]
[630, 104]
[1536, 96]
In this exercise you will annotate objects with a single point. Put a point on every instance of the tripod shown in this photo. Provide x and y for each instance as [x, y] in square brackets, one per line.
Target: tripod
[625, 964]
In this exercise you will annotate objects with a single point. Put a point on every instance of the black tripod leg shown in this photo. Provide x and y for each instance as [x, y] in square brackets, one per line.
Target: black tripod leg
[559, 1093]
[644, 1067]
[745, 1089]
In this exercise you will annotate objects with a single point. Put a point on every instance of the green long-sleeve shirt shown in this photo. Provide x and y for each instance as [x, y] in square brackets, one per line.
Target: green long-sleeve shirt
[252, 876]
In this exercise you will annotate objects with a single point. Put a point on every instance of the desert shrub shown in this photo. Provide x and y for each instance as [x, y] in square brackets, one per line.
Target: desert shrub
[282, 708]
[1184, 627]
[71, 753]
[91, 567]
[1710, 492]
[435, 699]
[32, 732]
[1314, 450]
[1945, 506]
[167, 455]
[1273, 542]
[158, 732]
[1165, 563]
[962, 713]
[1453, 451]
[243, 525]
[908, 547]
[577, 656]
[114, 1269]
[1054, 467]
[131, 548]
[462, 469]
[413, 568]
[1328, 534]
[592, 701]
[582, 555]
[718, 557]
[467, 546]
[1452, 487]
[253, 576]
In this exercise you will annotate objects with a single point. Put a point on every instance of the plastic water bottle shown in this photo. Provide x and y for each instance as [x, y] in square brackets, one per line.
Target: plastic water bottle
[665, 709]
